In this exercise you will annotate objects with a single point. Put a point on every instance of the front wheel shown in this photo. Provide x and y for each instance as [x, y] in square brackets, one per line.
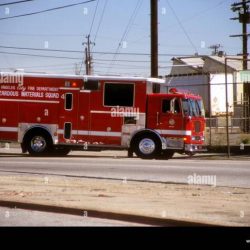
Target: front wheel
[147, 146]
[166, 154]
[190, 154]
[38, 144]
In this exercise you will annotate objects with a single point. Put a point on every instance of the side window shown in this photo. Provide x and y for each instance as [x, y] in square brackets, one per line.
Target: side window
[166, 106]
[171, 106]
[68, 101]
[119, 94]
[177, 109]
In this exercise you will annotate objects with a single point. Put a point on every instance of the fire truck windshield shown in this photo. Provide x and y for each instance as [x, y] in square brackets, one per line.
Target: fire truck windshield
[192, 107]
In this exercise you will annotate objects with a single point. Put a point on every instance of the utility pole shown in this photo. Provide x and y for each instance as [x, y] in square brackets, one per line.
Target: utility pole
[88, 58]
[154, 38]
[215, 49]
[244, 18]
[87, 62]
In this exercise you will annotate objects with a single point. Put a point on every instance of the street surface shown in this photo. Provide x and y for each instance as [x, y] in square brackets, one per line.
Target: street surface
[20, 217]
[115, 165]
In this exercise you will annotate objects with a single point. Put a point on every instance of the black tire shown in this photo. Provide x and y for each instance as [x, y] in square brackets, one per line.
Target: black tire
[61, 151]
[190, 154]
[130, 153]
[168, 154]
[39, 143]
[147, 146]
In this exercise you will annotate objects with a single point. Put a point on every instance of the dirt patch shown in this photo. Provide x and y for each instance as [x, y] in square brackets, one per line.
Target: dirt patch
[215, 205]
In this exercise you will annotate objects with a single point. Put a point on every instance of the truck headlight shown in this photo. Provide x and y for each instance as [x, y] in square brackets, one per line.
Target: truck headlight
[198, 138]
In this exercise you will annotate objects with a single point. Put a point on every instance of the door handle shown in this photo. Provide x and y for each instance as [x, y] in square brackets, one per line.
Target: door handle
[157, 118]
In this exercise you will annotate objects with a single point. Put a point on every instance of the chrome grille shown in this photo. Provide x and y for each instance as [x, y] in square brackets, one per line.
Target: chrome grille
[197, 126]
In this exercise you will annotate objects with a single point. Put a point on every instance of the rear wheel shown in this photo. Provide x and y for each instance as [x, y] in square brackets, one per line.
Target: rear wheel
[61, 151]
[38, 144]
[147, 146]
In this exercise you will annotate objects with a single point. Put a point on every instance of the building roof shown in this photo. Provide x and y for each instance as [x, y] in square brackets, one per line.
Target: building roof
[195, 62]
[206, 64]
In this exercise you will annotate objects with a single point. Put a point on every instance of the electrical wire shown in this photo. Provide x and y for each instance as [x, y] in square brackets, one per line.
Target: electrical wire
[94, 52]
[91, 26]
[93, 20]
[47, 10]
[126, 31]
[27, 34]
[182, 27]
[44, 66]
[23, 1]
[100, 20]
[35, 55]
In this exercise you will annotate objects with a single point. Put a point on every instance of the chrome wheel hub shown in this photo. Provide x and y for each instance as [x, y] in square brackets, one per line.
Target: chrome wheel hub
[38, 144]
[147, 146]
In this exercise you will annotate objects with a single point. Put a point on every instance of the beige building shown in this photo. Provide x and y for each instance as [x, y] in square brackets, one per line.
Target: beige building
[205, 75]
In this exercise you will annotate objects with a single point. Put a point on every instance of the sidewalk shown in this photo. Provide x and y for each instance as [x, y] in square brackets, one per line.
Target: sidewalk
[204, 204]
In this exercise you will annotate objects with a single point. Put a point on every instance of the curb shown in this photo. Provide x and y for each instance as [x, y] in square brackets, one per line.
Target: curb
[146, 220]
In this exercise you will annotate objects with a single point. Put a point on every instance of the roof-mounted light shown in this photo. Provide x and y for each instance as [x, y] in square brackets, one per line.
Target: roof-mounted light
[173, 91]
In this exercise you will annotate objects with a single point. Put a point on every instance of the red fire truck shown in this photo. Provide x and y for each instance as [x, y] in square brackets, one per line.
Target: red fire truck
[54, 114]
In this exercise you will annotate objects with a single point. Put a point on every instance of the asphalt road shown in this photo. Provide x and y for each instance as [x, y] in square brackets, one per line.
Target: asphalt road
[233, 173]
[10, 217]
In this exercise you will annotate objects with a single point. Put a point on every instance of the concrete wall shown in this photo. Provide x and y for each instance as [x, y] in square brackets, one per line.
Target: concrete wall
[219, 137]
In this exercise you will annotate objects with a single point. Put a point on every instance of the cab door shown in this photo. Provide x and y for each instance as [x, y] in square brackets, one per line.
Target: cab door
[68, 115]
[170, 118]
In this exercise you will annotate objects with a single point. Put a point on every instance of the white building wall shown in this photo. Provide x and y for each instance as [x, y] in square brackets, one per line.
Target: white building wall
[218, 94]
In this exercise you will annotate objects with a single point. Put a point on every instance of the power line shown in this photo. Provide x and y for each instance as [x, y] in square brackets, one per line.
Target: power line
[182, 27]
[125, 66]
[38, 49]
[88, 57]
[47, 10]
[94, 52]
[100, 21]
[126, 31]
[3, 4]
[87, 48]
[44, 66]
[201, 12]
[121, 60]
[27, 34]
[93, 20]
[35, 55]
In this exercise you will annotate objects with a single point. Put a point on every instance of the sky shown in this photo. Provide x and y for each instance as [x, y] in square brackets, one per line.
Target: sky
[116, 28]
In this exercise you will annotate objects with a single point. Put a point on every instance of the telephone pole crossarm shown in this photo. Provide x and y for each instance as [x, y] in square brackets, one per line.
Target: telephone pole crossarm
[88, 57]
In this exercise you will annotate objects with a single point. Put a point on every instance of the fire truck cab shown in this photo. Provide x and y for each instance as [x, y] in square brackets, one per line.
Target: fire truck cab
[54, 114]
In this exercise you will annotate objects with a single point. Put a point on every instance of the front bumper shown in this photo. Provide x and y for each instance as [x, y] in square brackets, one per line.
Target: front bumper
[195, 148]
